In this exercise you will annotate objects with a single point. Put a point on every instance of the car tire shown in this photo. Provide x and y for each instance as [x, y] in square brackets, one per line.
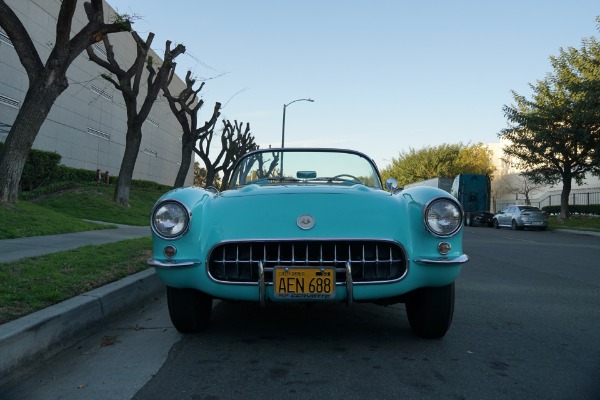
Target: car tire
[496, 224]
[189, 309]
[543, 228]
[430, 311]
[513, 225]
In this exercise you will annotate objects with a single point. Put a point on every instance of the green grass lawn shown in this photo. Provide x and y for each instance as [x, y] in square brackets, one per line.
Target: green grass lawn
[577, 222]
[95, 203]
[34, 283]
[25, 219]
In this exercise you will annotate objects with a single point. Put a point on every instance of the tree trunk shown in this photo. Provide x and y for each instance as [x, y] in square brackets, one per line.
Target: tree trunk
[132, 148]
[210, 174]
[34, 110]
[564, 199]
[187, 149]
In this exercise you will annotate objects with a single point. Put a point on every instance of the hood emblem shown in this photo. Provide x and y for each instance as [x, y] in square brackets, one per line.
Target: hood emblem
[305, 221]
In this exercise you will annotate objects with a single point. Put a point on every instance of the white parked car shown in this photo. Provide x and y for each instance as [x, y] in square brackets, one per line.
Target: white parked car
[520, 217]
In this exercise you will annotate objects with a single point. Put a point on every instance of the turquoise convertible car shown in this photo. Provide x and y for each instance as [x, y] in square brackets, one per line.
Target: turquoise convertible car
[309, 225]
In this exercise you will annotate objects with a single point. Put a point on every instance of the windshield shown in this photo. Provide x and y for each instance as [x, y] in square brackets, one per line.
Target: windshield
[282, 166]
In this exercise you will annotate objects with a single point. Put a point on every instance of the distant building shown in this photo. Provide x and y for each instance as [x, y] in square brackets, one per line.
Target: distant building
[87, 124]
[588, 193]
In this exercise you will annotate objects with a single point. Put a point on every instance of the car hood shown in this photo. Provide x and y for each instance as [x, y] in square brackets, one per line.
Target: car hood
[264, 212]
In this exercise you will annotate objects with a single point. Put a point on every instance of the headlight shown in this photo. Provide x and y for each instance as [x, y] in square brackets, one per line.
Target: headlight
[443, 217]
[170, 219]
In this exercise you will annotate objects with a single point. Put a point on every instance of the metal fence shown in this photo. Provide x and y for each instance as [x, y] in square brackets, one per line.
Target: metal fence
[577, 196]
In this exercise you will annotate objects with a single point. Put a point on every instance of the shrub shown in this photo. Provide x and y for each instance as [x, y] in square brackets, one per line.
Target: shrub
[39, 168]
[44, 174]
[593, 209]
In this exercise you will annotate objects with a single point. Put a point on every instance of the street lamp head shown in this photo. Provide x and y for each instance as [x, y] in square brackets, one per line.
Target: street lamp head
[283, 124]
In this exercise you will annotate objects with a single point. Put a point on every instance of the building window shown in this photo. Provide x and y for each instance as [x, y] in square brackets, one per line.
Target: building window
[10, 101]
[101, 92]
[98, 133]
[99, 48]
[152, 122]
[5, 39]
[4, 128]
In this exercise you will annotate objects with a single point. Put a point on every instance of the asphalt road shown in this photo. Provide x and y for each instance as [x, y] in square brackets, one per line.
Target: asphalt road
[526, 326]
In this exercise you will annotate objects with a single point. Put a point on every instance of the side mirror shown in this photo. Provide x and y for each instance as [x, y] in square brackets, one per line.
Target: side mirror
[391, 184]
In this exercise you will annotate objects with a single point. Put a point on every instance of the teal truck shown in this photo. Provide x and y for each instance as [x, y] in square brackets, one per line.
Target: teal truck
[473, 192]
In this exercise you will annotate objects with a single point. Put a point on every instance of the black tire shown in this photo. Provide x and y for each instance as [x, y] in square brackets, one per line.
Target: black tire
[543, 228]
[495, 224]
[430, 311]
[189, 309]
[513, 225]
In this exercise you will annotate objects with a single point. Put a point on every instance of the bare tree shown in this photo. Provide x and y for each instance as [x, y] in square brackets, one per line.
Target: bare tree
[185, 107]
[46, 81]
[234, 143]
[521, 184]
[128, 83]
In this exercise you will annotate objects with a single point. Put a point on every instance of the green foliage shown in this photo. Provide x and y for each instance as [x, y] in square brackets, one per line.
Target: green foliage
[24, 219]
[591, 209]
[124, 20]
[34, 283]
[39, 168]
[446, 160]
[43, 174]
[555, 135]
[95, 202]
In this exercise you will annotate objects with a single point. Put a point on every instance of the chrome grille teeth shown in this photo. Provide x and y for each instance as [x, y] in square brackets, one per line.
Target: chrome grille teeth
[372, 261]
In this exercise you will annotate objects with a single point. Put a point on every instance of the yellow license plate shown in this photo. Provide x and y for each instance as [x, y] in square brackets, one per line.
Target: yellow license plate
[304, 283]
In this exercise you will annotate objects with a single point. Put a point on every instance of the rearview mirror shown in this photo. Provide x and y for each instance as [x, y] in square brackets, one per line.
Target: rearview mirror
[306, 174]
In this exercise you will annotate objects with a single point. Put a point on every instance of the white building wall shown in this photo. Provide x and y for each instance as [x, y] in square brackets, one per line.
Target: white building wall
[547, 195]
[87, 124]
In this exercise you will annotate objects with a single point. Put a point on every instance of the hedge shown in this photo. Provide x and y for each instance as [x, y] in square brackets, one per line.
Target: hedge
[43, 173]
[593, 209]
[39, 168]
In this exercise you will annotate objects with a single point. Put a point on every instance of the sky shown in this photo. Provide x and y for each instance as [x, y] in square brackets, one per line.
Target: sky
[385, 75]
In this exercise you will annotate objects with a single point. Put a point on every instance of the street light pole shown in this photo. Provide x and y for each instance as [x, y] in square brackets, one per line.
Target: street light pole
[283, 124]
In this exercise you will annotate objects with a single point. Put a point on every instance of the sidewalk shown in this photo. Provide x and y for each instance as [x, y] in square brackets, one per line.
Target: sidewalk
[14, 249]
[26, 342]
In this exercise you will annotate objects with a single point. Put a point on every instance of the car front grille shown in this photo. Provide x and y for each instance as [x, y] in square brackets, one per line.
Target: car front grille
[370, 260]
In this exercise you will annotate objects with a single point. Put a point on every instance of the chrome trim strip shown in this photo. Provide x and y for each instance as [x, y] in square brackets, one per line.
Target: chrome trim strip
[172, 264]
[262, 290]
[444, 260]
[349, 287]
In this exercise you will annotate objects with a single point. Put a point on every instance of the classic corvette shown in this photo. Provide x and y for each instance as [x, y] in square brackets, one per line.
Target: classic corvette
[309, 225]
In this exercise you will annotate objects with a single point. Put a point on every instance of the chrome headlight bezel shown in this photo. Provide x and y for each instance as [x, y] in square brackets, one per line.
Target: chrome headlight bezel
[443, 217]
[182, 218]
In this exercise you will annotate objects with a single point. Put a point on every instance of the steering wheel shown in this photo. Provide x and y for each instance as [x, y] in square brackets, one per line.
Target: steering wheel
[355, 179]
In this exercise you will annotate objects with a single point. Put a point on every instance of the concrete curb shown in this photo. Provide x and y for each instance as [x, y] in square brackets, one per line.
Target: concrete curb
[29, 341]
[577, 232]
